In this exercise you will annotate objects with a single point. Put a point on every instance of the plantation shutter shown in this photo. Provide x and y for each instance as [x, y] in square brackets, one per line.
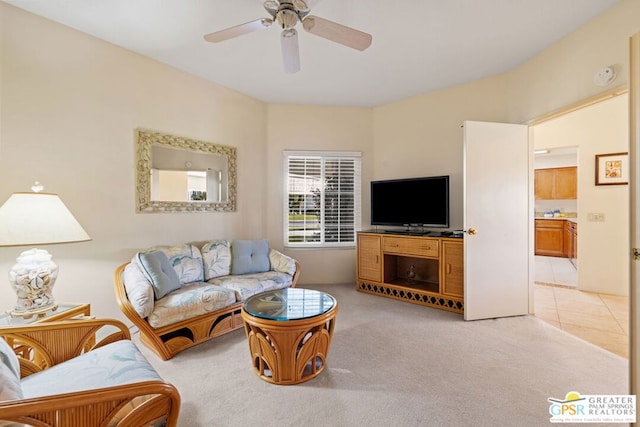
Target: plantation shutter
[322, 200]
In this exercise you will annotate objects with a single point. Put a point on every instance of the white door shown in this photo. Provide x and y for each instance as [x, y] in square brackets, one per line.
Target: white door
[496, 207]
[634, 157]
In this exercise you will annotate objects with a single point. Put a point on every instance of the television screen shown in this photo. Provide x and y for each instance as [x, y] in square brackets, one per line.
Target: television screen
[411, 202]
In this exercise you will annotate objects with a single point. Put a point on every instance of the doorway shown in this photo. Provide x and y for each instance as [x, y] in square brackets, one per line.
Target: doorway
[556, 216]
[596, 309]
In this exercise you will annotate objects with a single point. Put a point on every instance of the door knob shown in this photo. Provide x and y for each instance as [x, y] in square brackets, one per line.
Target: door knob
[471, 231]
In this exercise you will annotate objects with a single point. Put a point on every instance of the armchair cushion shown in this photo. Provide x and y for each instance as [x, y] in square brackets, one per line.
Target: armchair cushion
[250, 256]
[190, 301]
[115, 364]
[10, 388]
[159, 271]
[250, 284]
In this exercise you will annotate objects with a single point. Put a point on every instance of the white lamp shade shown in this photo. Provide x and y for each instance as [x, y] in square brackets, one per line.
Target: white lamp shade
[38, 219]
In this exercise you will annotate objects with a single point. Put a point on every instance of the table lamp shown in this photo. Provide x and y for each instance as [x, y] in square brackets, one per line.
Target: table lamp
[36, 219]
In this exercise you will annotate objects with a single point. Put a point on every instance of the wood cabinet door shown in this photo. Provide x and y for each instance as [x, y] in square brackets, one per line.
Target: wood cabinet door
[574, 239]
[549, 238]
[369, 257]
[543, 183]
[566, 183]
[568, 235]
[452, 266]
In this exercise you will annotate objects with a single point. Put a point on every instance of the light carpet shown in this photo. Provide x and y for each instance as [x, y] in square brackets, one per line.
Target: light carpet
[393, 363]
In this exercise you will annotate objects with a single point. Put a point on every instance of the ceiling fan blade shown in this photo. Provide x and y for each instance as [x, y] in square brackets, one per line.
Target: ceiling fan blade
[290, 51]
[337, 32]
[238, 30]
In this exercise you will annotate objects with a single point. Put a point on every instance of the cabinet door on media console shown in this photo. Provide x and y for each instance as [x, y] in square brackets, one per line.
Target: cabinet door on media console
[370, 257]
[452, 266]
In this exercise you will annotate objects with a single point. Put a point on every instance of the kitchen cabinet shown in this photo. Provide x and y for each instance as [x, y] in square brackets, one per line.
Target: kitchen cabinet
[567, 236]
[573, 256]
[556, 237]
[549, 237]
[556, 183]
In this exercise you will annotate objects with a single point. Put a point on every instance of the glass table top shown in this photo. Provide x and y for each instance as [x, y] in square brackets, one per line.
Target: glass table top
[7, 319]
[289, 304]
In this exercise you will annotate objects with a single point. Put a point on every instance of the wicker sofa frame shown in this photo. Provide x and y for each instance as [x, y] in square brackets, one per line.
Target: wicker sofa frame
[167, 341]
[42, 345]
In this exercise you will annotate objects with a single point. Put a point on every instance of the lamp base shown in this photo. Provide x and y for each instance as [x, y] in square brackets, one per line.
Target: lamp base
[32, 279]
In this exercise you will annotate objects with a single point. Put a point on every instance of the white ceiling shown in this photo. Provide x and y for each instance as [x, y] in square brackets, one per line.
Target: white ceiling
[418, 45]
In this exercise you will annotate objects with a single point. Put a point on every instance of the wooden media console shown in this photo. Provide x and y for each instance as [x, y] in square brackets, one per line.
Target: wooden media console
[422, 270]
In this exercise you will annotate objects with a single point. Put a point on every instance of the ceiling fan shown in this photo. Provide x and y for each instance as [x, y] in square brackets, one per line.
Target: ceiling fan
[288, 13]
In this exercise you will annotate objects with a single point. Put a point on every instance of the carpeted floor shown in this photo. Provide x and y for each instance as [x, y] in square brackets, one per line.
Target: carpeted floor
[393, 363]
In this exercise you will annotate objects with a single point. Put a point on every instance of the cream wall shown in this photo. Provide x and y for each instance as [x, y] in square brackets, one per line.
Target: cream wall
[70, 104]
[422, 136]
[603, 261]
[563, 73]
[296, 127]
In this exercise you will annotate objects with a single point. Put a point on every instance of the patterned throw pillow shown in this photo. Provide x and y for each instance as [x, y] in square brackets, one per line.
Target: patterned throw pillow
[216, 257]
[186, 260]
[282, 263]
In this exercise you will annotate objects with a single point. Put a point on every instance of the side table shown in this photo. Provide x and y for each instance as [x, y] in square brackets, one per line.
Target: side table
[64, 311]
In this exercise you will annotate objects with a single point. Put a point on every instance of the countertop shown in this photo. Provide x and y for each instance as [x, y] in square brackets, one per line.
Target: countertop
[559, 218]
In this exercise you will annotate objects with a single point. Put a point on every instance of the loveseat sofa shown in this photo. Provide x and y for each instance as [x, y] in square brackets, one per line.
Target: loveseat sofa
[180, 296]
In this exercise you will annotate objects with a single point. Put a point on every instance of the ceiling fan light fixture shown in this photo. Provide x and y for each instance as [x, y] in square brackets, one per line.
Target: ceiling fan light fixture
[288, 13]
[301, 5]
[289, 32]
[287, 18]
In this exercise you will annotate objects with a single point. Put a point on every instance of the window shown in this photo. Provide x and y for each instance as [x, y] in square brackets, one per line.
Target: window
[322, 199]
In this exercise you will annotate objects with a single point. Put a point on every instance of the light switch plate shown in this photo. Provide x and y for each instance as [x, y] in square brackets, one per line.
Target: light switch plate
[595, 217]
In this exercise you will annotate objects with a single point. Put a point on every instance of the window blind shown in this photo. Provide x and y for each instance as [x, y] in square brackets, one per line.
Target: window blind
[322, 199]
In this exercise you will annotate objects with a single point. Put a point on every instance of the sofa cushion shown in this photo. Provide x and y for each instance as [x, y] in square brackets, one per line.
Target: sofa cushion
[114, 364]
[190, 301]
[282, 263]
[10, 388]
[249, 256]
[250, 284]
[216, 257]
[139, 290]
[158, 270]
[186, 260]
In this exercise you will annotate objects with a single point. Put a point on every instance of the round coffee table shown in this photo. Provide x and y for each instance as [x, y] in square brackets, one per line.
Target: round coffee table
[289, 332]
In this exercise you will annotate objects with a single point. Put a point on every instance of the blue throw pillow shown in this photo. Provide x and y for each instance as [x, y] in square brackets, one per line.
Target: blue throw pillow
[249, 256]
[158, 270]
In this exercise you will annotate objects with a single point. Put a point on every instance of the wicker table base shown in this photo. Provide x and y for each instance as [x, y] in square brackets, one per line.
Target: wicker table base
[290, 351]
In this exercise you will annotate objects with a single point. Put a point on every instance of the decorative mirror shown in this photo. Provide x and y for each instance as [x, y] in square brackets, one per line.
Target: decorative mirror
[177, 174]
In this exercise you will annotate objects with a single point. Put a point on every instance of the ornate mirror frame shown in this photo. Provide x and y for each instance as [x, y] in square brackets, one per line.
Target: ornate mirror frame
[145, 139]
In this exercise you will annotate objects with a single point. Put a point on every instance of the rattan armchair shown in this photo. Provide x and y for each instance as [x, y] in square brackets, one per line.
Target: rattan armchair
[43, 346]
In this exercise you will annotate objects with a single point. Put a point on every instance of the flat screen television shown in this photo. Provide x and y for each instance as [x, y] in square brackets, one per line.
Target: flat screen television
[413, 202]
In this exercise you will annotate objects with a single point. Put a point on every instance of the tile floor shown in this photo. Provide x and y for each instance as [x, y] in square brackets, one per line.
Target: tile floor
[600, 319]
[555, 270]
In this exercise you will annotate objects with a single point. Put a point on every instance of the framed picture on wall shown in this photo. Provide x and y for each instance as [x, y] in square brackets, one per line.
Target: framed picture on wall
[612, 169]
